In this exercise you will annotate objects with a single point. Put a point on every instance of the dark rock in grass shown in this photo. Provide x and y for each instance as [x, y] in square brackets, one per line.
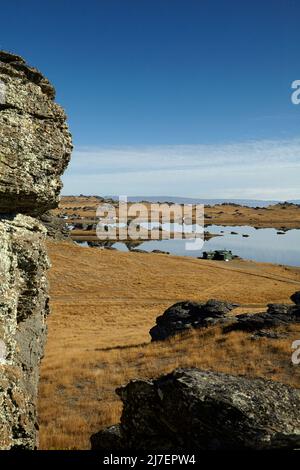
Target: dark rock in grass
[110, 438]
[296, 298]
[191, 409]
[276, 316]
[278, 309]
[268, 334]
[187, 315]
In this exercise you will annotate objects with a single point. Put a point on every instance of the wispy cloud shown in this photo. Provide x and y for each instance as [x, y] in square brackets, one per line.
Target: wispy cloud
[254, 169]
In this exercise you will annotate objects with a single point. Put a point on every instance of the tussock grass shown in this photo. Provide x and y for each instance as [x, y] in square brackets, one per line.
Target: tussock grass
[103, 305]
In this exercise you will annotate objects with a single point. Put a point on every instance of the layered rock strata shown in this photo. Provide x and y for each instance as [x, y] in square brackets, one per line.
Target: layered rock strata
[35, 148]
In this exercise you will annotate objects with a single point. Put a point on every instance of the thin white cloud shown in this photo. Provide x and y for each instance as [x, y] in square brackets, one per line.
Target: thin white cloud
[255, 169]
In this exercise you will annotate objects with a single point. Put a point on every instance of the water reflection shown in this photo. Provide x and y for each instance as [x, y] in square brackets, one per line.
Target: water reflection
[264, 245]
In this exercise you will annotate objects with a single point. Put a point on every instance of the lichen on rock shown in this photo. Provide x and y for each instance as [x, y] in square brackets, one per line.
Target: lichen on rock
[35, 148]
[23, 311]
[35, 144]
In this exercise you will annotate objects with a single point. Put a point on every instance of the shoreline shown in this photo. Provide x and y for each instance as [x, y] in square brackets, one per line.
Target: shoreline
[283, 216]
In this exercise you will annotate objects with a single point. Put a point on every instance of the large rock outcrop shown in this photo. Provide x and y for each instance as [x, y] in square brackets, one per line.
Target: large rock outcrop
[184, 316]
[35, 148]
[191, 409]
[23, 310]
[35, 144]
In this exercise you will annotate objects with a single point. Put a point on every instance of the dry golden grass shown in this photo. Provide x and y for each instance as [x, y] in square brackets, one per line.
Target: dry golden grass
[103, 305]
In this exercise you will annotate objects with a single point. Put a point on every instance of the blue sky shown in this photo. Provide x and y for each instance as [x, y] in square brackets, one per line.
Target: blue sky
[163, 97]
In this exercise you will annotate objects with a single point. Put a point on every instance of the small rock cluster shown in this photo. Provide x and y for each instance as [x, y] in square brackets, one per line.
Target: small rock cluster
[277, 315]
[184, 316]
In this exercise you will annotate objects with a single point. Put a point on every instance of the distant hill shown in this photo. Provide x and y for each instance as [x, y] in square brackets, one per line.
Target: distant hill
[188, 200]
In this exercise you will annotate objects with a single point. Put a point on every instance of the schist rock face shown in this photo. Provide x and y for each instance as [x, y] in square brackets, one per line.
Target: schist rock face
[23, 311]
[35, 148]
[35, 144]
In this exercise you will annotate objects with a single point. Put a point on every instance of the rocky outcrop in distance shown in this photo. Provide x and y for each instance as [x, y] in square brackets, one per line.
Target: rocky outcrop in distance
[191, 409]
[35, 147]
[185, 316]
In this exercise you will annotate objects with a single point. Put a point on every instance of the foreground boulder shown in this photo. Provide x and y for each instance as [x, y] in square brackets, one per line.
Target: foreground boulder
[184, 316]
[191, 409]
[35, 148]
[35, 144]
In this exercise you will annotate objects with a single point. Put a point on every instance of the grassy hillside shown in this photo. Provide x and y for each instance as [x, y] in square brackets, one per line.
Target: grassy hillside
[103, 305]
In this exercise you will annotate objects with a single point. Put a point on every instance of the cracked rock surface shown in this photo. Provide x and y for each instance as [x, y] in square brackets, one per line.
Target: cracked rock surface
[35, 148]
[192, 409]
[35, 144]
[23, 311]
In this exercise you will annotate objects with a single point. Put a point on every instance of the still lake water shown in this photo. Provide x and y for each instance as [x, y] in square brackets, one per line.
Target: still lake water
[262, 244]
